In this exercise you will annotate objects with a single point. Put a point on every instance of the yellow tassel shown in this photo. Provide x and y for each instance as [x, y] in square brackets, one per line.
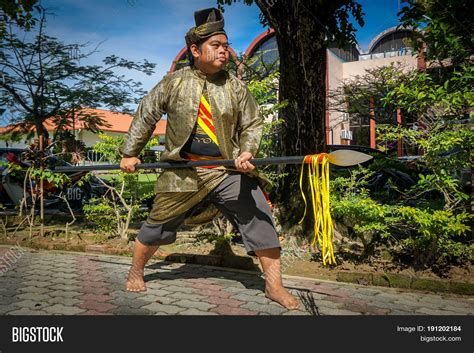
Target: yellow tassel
[318, 176]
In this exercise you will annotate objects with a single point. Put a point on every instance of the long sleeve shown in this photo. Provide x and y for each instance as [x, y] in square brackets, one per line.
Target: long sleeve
[149, 112]
[250, 124]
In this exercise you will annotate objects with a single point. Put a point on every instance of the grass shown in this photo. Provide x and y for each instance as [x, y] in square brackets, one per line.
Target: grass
[146, 181]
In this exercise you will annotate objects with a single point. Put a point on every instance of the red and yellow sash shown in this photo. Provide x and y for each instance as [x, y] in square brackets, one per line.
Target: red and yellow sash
[205, 120]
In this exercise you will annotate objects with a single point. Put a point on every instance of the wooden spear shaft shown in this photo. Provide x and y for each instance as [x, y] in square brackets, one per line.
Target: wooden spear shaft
[340, 158]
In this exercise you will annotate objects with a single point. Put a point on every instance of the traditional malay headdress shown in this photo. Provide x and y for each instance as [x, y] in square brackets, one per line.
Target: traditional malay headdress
[208, 23]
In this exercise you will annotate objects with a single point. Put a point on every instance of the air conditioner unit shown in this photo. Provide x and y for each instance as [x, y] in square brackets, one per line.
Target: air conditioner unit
[346, 134]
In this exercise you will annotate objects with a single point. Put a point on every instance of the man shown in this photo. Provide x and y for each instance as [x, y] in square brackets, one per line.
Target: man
[211, 115]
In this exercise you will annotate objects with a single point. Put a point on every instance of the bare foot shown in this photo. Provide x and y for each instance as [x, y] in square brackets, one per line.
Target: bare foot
[135, 282]
[282, 296]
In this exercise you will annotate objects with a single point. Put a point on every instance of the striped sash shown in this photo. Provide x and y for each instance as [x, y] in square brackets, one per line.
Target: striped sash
[205, 120]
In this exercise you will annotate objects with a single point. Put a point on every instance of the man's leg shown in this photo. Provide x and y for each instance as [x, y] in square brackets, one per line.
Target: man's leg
[141, 254]
[150, 237]
[241, 200]
[274, 290]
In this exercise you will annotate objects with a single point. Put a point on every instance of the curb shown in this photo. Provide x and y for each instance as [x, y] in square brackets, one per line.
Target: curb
[396, 280]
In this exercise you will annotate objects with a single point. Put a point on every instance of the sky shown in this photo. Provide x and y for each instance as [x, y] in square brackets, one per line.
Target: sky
[155, 29]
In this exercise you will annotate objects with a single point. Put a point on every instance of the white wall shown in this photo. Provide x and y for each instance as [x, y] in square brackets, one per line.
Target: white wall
[335, 76]
[339, 71]
[355, 68]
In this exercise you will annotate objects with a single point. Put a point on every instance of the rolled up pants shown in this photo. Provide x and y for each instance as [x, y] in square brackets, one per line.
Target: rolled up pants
[240, 199]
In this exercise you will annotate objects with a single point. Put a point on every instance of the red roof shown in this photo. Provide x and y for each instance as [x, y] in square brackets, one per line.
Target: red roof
[113, 122]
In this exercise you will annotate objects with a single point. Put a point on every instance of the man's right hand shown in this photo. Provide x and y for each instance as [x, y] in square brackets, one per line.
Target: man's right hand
[128, 164]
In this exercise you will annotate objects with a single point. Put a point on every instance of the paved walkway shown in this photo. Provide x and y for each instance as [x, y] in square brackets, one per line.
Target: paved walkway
[48, 282]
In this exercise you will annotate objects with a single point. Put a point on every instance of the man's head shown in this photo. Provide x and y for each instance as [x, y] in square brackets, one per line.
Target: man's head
[210, 55]
[208, 47]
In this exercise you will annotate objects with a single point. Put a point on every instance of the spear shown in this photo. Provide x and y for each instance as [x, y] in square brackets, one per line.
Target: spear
[342, 158]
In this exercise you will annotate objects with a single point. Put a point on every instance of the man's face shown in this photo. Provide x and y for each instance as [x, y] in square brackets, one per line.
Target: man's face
[214, 54]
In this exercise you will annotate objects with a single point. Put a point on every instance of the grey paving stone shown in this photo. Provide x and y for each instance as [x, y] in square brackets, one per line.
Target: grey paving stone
[269, 309]
[33, 296]
[33, 289]
[194, 304]
[121, 293]
[235, 289]
[409, 303]
[151, 297]
[174, 282]
[168, 309]
[158, 292]
[126, 310]
[180, 289]
[250, 298]
[38, 272]
[386, 297]
[366, 292]
[223, 281]
[394, 306]
[60, 309]
[64, 301]
[458, 309]
[6, 308]
[8, 300]
[296, 313]
[65, 275]
[26, 311]
[192, 297]
[71, 269]
[65, 287]
[167, 300]
[315, 296]
[332, 311]
[30, 304]
[37, 278]
[35, 283]
[329, 304]
[132, 303]
[431, 311]
[193, 311]
[64, 281]
[253, 292]
[403, 312]
[65, 294]
[9, 293]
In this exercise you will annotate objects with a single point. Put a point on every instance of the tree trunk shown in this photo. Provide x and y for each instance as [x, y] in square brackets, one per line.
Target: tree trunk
[41, 130]
[302, 48]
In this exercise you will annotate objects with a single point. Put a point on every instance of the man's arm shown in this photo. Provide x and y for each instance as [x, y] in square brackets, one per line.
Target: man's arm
[149, 112]
[250, 124]
[251, 130]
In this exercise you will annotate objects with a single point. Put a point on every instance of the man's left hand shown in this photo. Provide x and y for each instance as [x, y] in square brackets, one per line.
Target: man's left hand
[242, 162]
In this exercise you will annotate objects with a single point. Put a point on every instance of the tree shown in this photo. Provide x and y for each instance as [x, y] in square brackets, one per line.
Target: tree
[444, 27]
[303, 29]
[20, 11]
[353, 96]
[114, 211]
[42, 77]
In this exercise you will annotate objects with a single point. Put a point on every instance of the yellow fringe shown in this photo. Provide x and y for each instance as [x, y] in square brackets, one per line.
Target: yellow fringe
[318, 176]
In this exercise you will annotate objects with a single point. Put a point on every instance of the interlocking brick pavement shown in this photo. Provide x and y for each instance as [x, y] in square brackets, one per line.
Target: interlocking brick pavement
[60, 283]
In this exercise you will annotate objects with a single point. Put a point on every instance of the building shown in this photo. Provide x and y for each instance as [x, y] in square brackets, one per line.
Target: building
[115, 124]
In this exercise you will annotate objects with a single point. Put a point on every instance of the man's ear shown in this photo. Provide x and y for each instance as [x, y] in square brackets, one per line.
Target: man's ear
[195, 51]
